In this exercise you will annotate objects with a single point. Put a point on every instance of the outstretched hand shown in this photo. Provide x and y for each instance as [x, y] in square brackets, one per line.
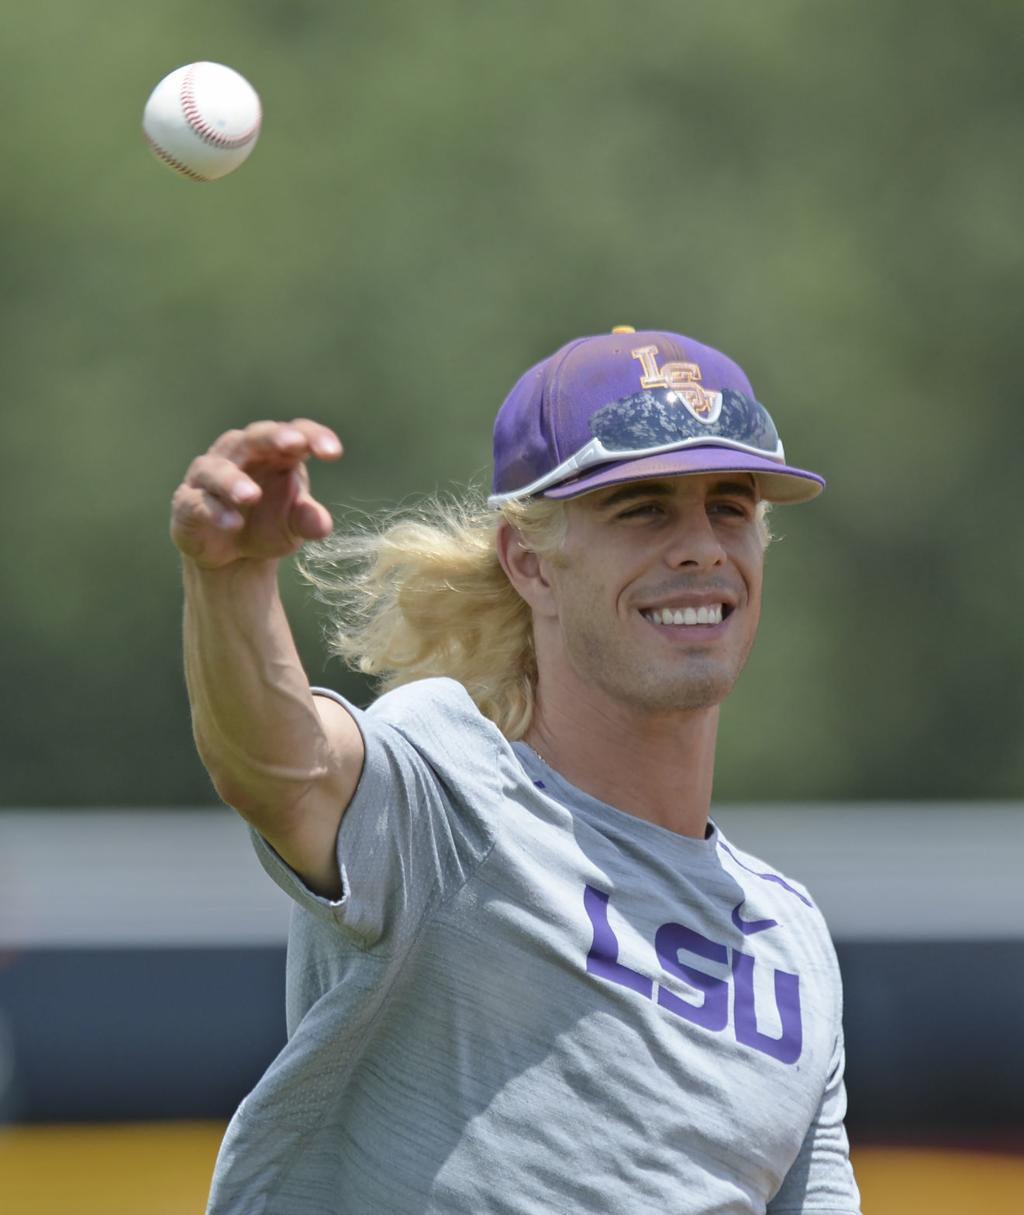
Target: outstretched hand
[248, 497]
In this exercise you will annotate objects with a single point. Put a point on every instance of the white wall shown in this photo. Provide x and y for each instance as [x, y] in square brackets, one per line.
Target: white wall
[945, 871]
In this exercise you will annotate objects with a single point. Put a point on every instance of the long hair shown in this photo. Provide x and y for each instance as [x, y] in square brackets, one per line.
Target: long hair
[420, 592]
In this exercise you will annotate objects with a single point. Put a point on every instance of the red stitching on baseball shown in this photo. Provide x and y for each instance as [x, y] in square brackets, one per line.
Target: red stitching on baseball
[168, 159]
[199, 125]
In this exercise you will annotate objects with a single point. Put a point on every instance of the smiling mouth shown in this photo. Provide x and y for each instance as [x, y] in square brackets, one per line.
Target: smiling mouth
[707, 614]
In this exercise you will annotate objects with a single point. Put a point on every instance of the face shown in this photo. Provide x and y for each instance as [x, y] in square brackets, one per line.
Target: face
[655, 597]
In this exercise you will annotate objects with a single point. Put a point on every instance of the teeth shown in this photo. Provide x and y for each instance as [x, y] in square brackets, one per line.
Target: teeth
[711, 614]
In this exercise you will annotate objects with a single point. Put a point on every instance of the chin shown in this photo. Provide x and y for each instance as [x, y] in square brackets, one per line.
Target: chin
[632, 677]
[657, 694]
[696, 696]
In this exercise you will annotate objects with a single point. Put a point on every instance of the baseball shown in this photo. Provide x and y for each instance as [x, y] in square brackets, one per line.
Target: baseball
[202, 120]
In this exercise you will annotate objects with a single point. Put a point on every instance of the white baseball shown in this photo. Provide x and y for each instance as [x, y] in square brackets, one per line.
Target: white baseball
[202, 120]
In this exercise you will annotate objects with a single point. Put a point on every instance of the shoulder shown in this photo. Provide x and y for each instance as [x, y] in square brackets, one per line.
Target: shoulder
[441, 721]
[782, 897]
[738, 858]
[436, 707]
[427, 699]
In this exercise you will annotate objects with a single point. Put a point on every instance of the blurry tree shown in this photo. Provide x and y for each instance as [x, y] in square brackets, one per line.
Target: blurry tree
[444, 193]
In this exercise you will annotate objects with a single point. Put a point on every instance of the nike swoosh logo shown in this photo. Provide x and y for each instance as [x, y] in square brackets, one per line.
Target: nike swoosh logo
[767, 877]
[749, 927]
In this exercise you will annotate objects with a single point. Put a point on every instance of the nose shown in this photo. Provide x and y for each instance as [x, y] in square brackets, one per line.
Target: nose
[694, 543]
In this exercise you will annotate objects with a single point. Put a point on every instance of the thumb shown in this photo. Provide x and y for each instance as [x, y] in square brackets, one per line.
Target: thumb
[309, 519]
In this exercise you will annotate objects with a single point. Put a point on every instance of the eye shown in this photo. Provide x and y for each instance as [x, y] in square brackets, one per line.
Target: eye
[731, 509]
[639, 512]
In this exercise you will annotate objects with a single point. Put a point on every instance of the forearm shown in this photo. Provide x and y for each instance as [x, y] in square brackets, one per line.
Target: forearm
[255, 724]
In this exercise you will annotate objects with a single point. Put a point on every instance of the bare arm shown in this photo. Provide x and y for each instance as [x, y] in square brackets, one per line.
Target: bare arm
[286, 761]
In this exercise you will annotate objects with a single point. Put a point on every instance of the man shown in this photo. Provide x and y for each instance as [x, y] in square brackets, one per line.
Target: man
[527, 973]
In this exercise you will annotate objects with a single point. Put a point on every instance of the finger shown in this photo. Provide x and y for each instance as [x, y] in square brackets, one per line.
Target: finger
[309, 519]
[322, 440]
[280, 444]
[194, 510]
[224, 480]
[276, 443]
[221, 516]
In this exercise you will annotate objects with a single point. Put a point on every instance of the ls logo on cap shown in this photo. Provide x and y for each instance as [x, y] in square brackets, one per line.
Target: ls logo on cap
[682, 378]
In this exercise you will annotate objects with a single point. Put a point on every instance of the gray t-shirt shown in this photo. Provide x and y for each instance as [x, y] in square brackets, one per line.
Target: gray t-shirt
[528, 1002]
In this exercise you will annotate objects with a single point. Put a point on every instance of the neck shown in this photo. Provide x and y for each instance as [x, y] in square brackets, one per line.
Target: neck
[657, 766]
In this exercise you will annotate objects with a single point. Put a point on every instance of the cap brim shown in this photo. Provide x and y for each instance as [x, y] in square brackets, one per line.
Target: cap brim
[775, 482]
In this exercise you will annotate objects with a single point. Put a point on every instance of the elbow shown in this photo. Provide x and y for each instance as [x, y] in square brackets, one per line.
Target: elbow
[238, 795]
[274, 811]
[269, 796]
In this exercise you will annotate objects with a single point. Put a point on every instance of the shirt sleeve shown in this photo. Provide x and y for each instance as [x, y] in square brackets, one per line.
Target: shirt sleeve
[820, 1180]
[411, 835]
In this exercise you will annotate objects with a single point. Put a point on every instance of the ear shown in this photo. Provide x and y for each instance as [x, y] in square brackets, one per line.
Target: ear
[525, 570]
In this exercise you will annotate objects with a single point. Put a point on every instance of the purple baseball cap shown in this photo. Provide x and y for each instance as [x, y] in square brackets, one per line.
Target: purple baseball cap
[628, 405]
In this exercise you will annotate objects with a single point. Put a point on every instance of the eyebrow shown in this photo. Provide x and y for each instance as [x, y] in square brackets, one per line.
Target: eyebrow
[663, 489]
[737, 488]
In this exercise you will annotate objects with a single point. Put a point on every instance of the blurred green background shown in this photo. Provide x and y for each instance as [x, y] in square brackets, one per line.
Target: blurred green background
[442, 194]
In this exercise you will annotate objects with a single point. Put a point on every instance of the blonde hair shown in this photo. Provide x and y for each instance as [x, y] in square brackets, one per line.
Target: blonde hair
[420, 592]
